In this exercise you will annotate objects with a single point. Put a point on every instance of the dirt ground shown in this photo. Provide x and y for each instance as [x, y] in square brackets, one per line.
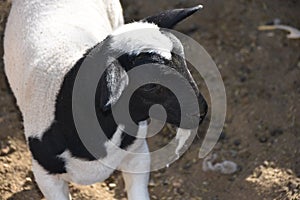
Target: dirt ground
[261, 72]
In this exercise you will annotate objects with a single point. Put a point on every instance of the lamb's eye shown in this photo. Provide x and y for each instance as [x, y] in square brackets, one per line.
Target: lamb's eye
[151, 87]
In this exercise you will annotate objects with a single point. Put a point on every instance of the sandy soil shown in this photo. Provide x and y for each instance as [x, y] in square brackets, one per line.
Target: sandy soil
[261, 73]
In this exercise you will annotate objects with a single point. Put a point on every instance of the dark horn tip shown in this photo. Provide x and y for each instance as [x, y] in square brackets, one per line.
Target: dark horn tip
[169, 18]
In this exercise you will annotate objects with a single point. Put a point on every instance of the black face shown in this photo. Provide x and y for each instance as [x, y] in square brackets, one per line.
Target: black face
[150, 94]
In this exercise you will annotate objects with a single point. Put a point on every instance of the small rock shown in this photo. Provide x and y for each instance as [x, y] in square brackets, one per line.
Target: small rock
[284, 189]
[244, 153]
[180, 191]
[215, 198]
[263, 139]
[152, 183]
[243, 79]
[276, 21]
[5, 165]
[289, 171]
[5, 150]
[112, 185]
[177, 183]
[28, 179]
[231, 178]
[257, 174]
[239, 168]
[187, 165]
[272, 165]
[276, 132]
[233, 153]
[271, 34]
[293, 185]
[205, 183]
[237, 142]
[266, 163]
[165, 182]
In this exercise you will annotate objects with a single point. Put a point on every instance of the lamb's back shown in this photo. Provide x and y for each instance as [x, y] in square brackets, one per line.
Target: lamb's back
[43, 40]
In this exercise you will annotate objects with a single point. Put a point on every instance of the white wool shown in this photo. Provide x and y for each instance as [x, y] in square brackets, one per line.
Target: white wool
[43, 41]
[140, 37]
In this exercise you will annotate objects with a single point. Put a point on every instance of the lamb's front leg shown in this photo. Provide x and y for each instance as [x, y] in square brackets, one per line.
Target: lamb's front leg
[52, 187]
[137, 183]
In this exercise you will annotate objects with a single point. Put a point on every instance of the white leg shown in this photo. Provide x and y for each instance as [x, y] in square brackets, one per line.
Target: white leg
[52, 186]
[137, 183]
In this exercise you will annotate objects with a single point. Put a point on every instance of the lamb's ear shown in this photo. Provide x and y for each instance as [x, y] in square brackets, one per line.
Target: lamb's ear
[169, 18]
[111, 85]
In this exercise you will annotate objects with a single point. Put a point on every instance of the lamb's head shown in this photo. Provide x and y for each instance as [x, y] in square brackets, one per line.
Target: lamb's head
[144, 43]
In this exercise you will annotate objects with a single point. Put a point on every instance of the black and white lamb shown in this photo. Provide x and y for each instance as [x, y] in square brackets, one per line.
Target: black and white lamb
[45, 44]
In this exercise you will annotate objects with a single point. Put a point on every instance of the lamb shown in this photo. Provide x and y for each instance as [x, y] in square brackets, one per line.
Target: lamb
[45, 44]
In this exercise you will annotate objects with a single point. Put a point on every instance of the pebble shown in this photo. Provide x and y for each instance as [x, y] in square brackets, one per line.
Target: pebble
[152, 183]
[112, 185]
[7, 148]
[4, 151]
[276, 21]
[276, 132]
[177, 184]
[239, 168]
[293, 185]
[215, 198]
[233, 153]
[187, 165]
[271, 34]
[180, 191]
[28, 179]
[263, 139]
[205, 183]
[231, 178]
[257, 174]
[5, 165]
[237, 142]
[165, 182]
[266, 163]
[243, 79]
[289, 171]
